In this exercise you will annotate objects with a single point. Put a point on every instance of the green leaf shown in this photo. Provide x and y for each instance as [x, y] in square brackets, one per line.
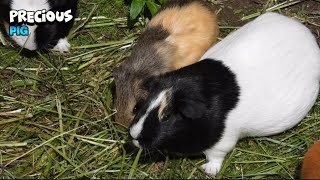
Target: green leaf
[28, 75]
[136, 8]
[153, 7]
[22, 83]
[135, 164]
[162, 1]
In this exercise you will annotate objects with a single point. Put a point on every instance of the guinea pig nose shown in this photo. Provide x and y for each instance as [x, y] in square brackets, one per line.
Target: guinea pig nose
[136, 143]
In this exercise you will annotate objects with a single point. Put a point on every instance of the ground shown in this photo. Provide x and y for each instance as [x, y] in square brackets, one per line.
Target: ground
[64, 124]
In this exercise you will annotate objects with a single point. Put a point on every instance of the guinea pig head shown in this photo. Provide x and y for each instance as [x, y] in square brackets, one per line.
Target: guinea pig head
[130, 76]
[171, 118]
[128, 92]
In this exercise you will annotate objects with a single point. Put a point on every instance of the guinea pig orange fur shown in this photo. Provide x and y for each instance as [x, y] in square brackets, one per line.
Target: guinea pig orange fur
[311, 163]
[190, 33]
[180, 33]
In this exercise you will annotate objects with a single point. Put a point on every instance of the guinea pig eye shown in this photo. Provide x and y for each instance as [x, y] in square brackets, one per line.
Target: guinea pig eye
[166, 117]
[136, 107]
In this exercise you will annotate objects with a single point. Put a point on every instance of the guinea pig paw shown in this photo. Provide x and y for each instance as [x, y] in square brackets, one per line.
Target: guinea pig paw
[62, 45]
[212, 168]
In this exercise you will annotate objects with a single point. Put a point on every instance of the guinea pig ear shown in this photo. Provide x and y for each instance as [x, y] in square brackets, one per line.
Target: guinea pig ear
[151, 83]
[192, 109]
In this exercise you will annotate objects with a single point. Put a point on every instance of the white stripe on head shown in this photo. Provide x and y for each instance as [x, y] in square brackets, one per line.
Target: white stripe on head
[137, 128]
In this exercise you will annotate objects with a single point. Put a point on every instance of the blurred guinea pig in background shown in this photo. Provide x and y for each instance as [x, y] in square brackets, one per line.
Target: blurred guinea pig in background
[311, 163]
[260, 80]
[44, 35]
[178, 35]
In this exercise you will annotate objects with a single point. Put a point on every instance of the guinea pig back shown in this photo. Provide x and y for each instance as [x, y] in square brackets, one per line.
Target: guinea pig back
[192, 27]
[178, 35]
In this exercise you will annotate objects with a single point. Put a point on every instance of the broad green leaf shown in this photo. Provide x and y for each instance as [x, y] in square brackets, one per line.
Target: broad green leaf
[136, 8]
[162, 1]
[153, 7]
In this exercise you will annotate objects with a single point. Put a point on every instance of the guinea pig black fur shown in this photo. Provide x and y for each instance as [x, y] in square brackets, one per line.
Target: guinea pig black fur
[178, 35]
[186, 109]
[44, 35]
[260, 80]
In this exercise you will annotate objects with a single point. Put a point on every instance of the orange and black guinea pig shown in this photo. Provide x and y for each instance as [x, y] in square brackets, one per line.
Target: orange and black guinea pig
[177, 36]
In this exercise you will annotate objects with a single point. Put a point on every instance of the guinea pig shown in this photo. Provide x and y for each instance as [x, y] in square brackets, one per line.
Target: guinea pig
[43, 35]
[178, 35]
[260, 80]
[311, 163]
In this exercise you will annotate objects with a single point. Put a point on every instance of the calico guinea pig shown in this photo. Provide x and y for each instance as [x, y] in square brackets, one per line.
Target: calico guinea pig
[260, 80]
[42, 35]
[178, 35]
[311, 163]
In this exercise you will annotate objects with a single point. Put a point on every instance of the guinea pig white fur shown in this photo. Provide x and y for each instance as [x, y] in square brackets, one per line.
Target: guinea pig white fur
[45, 35]
[260, 80]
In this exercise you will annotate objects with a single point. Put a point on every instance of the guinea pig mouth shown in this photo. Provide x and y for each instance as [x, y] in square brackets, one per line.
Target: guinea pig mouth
[136, 143]
[139, 143]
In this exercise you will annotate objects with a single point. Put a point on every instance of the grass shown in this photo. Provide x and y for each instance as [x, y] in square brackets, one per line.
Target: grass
[56, 116]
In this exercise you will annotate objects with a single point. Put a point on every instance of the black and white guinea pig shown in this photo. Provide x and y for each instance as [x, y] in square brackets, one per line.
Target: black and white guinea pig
[260, 80]
[43, 35]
